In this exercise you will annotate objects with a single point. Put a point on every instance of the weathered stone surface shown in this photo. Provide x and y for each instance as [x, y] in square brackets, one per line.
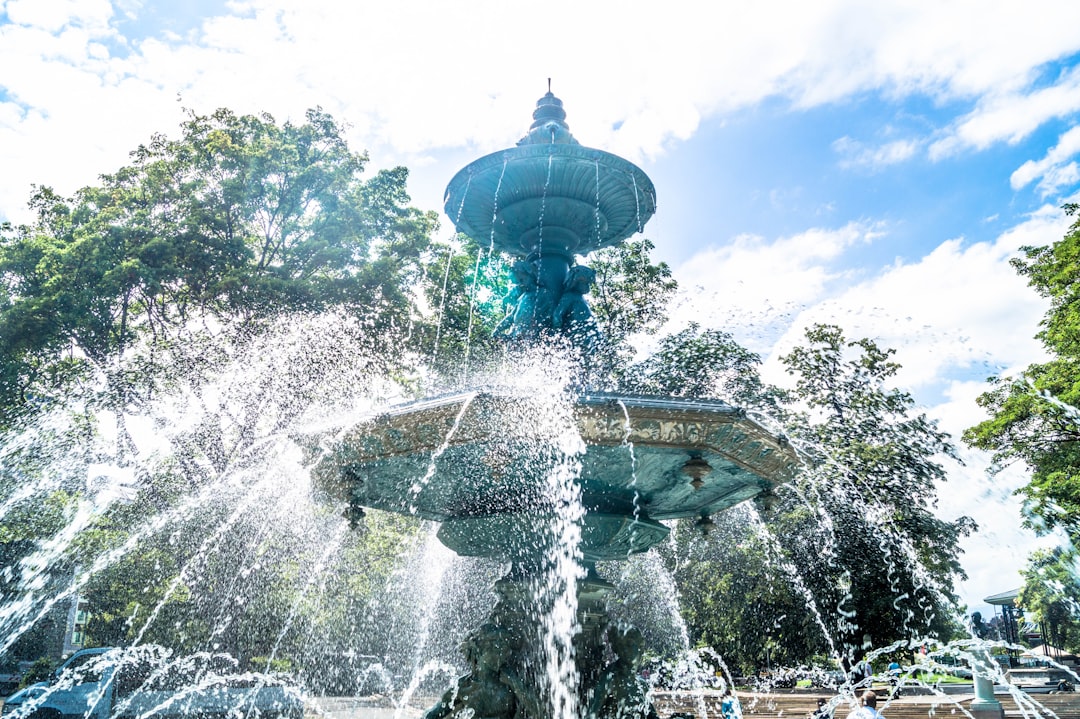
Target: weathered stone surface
[480, 462]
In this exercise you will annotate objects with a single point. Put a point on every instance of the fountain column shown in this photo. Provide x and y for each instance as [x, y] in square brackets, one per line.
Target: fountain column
[984, 705]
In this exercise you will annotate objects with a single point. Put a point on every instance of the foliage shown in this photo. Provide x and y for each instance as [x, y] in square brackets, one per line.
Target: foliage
[630, 297]
[41, 670]
[703, 363]
[852, 555]
[871, 489]
[25, 528]
[243, 246]
[737, 598]
[1034, 420]
[464, 286]
[1051, 596]
[1034, 417]
[239, 220]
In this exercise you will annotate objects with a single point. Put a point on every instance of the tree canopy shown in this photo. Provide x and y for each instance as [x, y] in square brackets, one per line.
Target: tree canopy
[237, 221]
[1034, 417]
[1035, 421]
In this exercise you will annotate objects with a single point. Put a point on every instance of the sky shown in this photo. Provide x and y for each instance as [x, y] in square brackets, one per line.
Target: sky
[872, 165]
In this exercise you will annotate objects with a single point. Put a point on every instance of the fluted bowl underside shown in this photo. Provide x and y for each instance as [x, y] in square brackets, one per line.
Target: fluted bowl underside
[550, 197]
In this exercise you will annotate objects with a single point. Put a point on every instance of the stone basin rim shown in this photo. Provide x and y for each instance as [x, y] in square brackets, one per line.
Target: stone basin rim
[598, 416]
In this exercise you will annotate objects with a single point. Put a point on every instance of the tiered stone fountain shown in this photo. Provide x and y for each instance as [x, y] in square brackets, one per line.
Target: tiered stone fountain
[479, 462]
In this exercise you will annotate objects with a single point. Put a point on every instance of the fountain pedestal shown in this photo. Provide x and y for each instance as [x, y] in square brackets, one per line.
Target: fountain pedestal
[984, 705]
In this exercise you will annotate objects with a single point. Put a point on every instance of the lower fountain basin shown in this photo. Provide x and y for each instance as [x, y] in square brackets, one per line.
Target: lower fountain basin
[481, 463]
[519, 537]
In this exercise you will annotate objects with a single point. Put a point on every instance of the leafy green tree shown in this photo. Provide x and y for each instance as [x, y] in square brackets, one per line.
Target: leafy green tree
[1034, 418]
[630, 297]
[850, 555]
[238, 221]
[737, 596]
[1051, 597]
[25, 526]
[865, 538]
[464, 286]
[698, 362]
[245, 247]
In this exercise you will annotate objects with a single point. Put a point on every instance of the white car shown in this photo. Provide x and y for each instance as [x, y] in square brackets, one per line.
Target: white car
[148, 683]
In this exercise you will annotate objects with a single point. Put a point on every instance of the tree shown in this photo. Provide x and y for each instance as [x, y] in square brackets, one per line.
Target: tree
[703, 363]
[464, 286]
[630, 297]
[1051, 597]
[1034, 417]
[226, 268]
[236, 222]
[24, 527]
[737, 596]
[866, 538]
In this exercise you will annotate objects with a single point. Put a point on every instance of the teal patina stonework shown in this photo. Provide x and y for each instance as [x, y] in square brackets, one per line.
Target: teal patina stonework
[545, 201]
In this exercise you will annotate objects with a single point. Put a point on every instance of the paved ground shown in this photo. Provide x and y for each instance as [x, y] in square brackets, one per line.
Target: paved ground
[798, 705]
[772, 705]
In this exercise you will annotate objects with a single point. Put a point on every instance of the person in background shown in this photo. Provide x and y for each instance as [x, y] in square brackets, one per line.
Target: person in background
[729, 706]
[868, 710]
[823, 711]
[894, 677]
[862, 674]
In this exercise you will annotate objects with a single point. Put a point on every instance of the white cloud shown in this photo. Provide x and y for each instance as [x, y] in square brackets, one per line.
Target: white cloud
[53, 15]
[1054, 170]
[413, 77]
[759, 285]
[961, 308]
[857, 154]
[1011, 116]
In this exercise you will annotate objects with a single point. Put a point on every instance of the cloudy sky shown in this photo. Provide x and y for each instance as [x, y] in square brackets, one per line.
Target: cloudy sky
[873, 165]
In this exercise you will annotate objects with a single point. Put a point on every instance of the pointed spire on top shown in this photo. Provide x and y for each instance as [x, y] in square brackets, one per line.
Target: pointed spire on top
[549, 123]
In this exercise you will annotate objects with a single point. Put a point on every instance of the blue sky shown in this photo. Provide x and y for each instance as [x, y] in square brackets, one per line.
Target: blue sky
[875, 165]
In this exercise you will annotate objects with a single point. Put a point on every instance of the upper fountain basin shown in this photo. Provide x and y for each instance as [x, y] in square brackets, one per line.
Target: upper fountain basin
[556, 197]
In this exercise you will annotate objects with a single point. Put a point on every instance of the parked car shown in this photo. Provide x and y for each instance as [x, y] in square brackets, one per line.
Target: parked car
[16, 700]
[147, 682]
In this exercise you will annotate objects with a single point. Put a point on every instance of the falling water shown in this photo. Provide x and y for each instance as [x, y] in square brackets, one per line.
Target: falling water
[596, 166]
[464, 196]
[419, 485]
[542, 380]
[435, 561]
[476, 272]
[543, 205]
[442, 304]
[627, 428]
[637, 203]
[558, 593]
[316, 579]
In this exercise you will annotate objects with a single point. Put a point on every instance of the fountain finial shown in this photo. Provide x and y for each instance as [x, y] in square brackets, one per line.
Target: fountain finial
[549, 123]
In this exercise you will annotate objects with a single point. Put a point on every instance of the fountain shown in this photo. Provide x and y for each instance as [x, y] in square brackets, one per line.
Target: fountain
[555, 480]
